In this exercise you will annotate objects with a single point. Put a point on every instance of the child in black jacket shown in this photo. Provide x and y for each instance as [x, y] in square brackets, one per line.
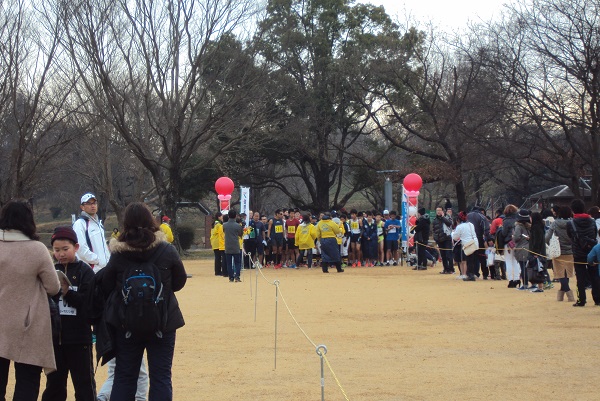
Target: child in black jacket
[73, 350]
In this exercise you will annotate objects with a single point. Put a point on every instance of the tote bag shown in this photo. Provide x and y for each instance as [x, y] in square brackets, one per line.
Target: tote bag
[470, 247]
[553, 248]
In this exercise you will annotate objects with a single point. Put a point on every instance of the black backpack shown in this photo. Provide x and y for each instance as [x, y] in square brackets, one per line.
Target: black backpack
[142, 312]
[585, 243]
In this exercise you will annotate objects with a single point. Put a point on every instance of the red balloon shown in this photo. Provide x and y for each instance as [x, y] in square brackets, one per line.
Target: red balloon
[224, 186]
[412, 182]
[412, 220]
[412, 201]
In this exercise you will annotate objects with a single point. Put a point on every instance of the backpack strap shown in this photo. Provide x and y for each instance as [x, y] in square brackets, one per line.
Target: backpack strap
[87, 235]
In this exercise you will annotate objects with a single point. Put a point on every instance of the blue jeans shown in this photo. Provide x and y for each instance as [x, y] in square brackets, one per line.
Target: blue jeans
[129, 354]
[234, 264]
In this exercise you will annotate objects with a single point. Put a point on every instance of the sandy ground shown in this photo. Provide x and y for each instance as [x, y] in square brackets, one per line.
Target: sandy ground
[391, 333]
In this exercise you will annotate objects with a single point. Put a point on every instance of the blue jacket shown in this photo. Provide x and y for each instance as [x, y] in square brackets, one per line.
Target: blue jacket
[593, 257]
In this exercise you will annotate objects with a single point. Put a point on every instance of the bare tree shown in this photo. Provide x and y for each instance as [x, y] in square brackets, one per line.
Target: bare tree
[36, 113]
[169, 77]
[548, 55]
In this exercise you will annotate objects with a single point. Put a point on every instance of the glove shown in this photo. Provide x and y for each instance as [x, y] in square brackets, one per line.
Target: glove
[264, 242]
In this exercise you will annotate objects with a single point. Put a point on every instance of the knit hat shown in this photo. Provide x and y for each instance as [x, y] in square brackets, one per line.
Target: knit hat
[64, 232]
[422, 211]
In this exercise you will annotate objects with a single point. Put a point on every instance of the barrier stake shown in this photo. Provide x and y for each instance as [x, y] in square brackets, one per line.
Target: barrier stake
[322, 350]
[276, 282]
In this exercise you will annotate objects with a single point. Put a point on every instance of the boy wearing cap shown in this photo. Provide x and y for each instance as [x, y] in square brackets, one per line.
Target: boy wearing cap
[166, 228]
[90, 234]
[73, 353]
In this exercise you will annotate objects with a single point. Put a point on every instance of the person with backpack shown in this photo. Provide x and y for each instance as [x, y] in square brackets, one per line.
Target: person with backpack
[582, 231]
[90, 234]
[142, 276]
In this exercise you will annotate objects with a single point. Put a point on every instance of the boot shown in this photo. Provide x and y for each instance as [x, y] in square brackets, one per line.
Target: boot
[560, 296]
[570, 296]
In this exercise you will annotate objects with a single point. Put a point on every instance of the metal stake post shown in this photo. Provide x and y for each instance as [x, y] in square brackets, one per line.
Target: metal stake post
[276, 282]
[322, 350]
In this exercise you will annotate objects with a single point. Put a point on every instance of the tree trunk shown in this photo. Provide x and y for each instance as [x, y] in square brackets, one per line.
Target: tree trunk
[461, 195]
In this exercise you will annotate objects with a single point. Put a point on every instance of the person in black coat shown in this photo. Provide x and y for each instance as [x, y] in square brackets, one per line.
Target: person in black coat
[482, 230]
[422, 231]
[581, 227]
[141, 240]
[73, 349]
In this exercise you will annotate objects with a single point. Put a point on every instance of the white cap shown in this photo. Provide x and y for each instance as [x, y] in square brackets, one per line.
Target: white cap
[386, 211]
[87, 197]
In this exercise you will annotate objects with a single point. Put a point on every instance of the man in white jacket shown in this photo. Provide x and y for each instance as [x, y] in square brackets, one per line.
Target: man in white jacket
[90, 234]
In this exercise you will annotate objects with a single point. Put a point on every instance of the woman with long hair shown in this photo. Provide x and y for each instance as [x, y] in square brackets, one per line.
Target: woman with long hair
[140, 243]
[27, 277]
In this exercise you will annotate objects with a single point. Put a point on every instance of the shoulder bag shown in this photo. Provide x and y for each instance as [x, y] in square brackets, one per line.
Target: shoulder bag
[470, 247]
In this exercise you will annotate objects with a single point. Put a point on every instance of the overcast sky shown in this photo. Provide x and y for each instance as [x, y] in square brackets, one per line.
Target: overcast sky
[447, 14]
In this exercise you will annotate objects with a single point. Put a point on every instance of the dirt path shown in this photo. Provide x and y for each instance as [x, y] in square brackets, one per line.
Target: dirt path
[391, 334]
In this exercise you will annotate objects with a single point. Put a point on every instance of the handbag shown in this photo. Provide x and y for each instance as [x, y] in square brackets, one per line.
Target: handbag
[553, 248]
[470, 247]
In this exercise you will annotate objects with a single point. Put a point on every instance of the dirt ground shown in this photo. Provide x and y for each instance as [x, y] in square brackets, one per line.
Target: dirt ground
[391, 333]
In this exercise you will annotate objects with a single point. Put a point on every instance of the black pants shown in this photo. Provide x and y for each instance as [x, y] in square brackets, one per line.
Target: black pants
[129, 354]
[27, 380]
[218, 262]
[224, 272]
[472, 265]
[482, 261]
[586, 274]
[446, 255]
[250, 248]
[75, 359]
[421, 255]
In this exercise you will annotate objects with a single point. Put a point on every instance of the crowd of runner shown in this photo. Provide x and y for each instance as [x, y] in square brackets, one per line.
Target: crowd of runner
[516, 245]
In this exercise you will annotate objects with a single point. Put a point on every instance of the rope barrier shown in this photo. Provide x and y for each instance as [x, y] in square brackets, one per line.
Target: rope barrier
[318, 348]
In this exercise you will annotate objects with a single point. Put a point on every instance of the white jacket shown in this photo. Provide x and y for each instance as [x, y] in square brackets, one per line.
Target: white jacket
[97, 257]
[465, 232]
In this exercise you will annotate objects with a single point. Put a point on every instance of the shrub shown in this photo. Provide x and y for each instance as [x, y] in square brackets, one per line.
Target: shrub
[186, 237]
[55, 211]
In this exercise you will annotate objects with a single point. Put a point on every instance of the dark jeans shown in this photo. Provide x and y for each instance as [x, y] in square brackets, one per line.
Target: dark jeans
[75, 359]
[129, 354]
[585, 275]
[27, 381]
[446, 255]
[234, 264]
[309, 255]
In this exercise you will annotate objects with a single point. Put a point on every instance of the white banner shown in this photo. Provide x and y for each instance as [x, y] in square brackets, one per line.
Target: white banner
[245, 203]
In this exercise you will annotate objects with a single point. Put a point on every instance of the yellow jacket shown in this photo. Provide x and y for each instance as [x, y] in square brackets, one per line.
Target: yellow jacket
[328, 229]
[220, 236]
[164, 227]
[306, 234]
[214, 235]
